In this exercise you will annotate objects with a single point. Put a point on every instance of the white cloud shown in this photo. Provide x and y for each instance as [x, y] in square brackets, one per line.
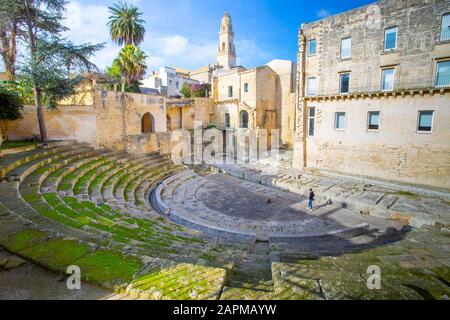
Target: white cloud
[178, 51]
[323, 13]
[171, 45]
[87, 23]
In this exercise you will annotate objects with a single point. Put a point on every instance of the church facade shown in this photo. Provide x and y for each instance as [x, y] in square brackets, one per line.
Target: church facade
[250, 98]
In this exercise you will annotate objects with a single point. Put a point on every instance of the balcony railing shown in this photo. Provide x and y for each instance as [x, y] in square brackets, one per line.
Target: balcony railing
[395, 86]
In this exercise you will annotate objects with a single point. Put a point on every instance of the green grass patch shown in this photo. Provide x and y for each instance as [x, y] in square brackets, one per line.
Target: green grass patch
[16, 144]
[56, 254]
[67, 182]
[109, 268]
[24, 239]
[32, 198]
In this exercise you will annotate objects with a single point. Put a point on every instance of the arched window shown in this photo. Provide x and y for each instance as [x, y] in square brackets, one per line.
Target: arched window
[227, 120]
[244, 119]
[148, 123]
[223, 46]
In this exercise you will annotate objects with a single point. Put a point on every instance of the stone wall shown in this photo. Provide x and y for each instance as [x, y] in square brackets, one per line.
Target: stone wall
[286, 71]
[120, 115]
[64, 123]
[396, 152]
[149, 143]
[4, 76]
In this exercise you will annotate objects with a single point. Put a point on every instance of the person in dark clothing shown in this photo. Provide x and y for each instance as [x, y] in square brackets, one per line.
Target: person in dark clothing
[311, 197]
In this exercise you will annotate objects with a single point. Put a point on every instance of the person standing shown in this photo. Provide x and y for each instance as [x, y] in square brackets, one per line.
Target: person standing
[311, 197]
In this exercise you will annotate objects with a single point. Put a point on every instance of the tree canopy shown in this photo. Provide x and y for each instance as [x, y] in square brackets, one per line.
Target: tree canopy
[48, 58]
[131, 63]
[125, 24]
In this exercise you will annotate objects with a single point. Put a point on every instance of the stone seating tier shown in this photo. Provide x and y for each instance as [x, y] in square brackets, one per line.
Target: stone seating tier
[67, 204]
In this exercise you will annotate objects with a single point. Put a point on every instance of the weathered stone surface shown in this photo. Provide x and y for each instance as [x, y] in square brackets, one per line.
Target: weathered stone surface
[87, 209]
[376, 200]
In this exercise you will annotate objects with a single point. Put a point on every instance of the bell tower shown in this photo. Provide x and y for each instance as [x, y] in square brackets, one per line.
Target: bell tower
[226, 55]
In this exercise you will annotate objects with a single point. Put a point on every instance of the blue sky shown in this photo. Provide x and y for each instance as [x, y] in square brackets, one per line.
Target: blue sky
[183, 33]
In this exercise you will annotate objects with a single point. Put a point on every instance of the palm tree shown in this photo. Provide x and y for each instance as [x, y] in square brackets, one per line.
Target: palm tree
[132, 64]
[125, 25]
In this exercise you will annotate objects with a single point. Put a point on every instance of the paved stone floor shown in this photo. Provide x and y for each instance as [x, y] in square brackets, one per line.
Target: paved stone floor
[233, 205]
[373, 198]
[240, 198]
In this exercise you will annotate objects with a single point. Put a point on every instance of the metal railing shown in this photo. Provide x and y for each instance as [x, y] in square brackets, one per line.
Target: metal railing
[390, 86]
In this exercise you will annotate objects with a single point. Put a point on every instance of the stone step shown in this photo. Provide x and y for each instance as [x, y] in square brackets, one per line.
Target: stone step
[10, 163]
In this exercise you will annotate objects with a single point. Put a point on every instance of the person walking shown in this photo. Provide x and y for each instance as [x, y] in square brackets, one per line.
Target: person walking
[311, 197]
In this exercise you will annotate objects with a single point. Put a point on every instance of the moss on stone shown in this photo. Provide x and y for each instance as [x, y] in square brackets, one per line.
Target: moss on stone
[24, 239]
[181, 282]
[56, 254]
[109, 268]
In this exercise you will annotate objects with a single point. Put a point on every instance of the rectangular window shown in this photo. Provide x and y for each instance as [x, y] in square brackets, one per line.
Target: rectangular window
[230, 91]
[346, 48]
[311, 121]
[445, 32]
[177, 84]
[374, 121]
[246, 87]
[227, 120]
[443, 74]
[340, 121]
[311, 87]
[312, 47]
[344, 83]
[387, 79]
[425, 121]
[390, 39]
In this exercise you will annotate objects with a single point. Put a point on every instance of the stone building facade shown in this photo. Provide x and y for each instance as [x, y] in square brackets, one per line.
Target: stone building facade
[373, 93]
[255, 98]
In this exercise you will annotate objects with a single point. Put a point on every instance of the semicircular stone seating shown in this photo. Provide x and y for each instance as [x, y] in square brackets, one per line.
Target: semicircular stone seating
[64, 204]
[203, 203]
[67, 204]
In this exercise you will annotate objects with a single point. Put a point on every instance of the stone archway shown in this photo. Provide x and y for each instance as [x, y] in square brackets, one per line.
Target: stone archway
[148, 123]
[243, 117]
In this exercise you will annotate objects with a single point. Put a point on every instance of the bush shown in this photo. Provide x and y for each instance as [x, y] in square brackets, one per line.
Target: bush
[10, 105]
[186, 90]
[194, 90]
